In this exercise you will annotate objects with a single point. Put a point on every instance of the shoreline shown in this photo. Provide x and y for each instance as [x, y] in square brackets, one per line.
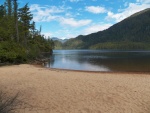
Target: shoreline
[82, 71]
[113, 72]
[68, 91]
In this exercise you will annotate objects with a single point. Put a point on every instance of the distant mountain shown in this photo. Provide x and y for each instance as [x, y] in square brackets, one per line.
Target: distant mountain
[131, 33]
[54, 38]
[58, 42]
[57, 39]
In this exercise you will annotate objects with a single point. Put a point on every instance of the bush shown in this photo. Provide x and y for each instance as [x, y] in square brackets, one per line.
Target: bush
[15, 53]
[12, 52]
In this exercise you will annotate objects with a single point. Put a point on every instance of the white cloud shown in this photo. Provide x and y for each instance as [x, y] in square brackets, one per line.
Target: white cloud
[51, 13]
[65, 33]
[131, 9]
[143, 1]
[95, 9]
[44, 14]
[46, 9]
[74, 23]
[75, 0]
[126, 4]
[96, 28]
[48, 34]
[68, 14]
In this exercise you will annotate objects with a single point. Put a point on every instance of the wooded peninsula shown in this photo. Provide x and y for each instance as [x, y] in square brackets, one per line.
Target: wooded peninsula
[20, 41]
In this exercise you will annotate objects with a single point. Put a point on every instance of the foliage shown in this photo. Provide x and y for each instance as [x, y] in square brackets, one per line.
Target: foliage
[73, 44]
[20, 41]
[58, 44]
[12, 52]
[121, 45]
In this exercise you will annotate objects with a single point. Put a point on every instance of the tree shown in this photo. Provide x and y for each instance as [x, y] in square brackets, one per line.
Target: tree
[16, 18]
[25, 17]
[1, 21]
[9, 7]
[40, 30]
[33, 28]
[1, 11]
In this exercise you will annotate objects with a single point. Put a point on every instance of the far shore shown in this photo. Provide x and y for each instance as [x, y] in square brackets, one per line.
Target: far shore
[67, 91]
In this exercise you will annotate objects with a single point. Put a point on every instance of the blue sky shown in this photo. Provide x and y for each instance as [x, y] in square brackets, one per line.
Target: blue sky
[70, 18]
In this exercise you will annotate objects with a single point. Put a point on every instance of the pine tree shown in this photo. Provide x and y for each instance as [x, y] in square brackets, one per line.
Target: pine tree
[40, 30]
[16, 18]
[9, 7]
[1, 11]
[33, 30]
[25, 17]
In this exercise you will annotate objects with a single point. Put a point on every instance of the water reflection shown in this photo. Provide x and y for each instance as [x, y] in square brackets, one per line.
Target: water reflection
[100, 60]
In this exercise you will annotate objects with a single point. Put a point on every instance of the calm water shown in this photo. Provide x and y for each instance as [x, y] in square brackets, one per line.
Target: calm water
[100, 60]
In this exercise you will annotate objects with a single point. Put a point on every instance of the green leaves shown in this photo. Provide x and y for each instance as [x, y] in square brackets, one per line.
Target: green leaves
[12, 52]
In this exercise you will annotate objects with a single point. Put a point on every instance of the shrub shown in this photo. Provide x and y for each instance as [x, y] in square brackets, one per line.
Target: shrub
[12, 52]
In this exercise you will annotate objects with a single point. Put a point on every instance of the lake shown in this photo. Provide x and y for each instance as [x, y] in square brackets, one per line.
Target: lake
[101, 60]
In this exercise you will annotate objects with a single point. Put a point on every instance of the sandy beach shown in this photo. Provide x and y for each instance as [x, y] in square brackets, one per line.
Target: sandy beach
[62, 91]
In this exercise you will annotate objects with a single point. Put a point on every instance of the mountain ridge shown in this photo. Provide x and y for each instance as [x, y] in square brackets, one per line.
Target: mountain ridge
[131, 33]
[58, 39]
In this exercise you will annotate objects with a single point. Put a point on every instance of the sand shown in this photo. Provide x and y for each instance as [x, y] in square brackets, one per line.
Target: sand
[62, 91]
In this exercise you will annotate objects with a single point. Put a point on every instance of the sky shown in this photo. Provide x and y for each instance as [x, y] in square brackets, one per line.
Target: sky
[69, 18]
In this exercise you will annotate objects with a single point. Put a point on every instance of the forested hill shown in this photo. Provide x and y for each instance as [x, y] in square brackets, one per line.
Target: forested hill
[131, 33]
[20, 41]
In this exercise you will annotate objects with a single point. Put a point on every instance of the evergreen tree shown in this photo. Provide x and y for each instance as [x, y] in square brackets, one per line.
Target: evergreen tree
[25, 18]
[40, 30]
[1, 11]
[33, 30]
[16, 19]
[9, 7]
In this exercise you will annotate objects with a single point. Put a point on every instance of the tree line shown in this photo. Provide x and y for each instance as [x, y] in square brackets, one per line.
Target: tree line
[20, 41]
